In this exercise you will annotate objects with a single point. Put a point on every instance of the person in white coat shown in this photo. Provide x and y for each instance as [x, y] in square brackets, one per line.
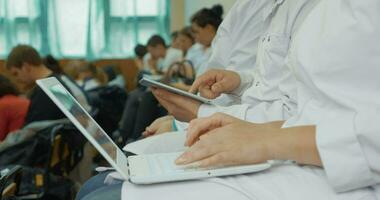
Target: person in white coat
[235, 48]
[268, 93]
[334, 134]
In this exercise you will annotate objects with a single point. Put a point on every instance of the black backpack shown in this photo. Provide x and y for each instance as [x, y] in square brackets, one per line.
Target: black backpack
[108, 102]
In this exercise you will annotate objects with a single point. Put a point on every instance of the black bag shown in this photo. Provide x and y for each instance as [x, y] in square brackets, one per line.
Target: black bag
[37, 150]
[39, 184]
[31, 152]
[109, 102]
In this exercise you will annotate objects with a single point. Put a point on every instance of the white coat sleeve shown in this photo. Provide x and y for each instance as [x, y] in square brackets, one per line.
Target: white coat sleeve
[338, 45]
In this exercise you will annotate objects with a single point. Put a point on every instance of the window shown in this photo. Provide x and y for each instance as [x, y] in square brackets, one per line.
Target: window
[87, 28]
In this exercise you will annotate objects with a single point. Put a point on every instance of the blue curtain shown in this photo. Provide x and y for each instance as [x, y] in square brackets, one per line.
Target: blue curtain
[90, 29]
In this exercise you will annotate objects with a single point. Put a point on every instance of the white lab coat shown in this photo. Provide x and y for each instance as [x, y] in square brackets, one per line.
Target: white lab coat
[335, 59]
[235, 44]
[270, 93]
[337, 65]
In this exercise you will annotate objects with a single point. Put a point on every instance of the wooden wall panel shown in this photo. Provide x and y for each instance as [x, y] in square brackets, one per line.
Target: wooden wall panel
[127, 68]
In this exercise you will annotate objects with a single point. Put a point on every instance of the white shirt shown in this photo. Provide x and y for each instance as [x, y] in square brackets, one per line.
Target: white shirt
[172, 55]
[198, 55]
[235, 44]
[271, 90]
[335, 58]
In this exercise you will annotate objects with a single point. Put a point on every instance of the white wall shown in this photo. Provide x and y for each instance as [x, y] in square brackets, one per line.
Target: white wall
[192, 6]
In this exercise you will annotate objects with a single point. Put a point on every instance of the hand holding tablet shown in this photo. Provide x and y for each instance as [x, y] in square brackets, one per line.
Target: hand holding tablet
[151, 83]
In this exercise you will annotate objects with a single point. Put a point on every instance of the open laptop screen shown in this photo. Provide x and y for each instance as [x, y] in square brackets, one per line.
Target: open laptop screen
[84, 119]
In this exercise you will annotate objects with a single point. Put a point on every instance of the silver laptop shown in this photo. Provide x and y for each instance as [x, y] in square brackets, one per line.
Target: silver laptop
[139, 169]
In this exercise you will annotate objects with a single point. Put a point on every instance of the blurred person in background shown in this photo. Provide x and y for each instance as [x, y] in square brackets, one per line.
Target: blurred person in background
[79, 94]
[26, 66]
[90, 77]
[159, 56]
[175, 42]
[13, 109]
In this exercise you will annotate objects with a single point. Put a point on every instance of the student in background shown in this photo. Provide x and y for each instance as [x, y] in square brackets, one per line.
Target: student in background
[175, 42]
[148, 108]
[159, 56]
[79, 94]
[185, 39]
[335, 128]
[90, 77]
[204, 26]
[26, 65]
[140, 52]
[13, 109]
[235, 47]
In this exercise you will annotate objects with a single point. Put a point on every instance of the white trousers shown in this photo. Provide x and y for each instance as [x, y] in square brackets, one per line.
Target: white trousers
[286, 182]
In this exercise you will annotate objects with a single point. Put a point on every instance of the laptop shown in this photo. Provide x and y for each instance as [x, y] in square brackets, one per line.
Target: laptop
[138, 169]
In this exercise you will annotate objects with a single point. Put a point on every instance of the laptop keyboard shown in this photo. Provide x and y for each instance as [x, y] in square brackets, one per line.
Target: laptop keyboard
[155, 168]
[160, 164]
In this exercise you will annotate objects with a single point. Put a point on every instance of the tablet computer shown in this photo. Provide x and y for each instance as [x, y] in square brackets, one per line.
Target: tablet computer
[151, 83]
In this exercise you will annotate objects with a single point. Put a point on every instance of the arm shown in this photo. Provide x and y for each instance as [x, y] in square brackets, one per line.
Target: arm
[298, 144]
[340, 89]
[248, 143]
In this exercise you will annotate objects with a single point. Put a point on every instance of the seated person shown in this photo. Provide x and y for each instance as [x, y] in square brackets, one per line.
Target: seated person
[175, 41]
[79, 94]
[238, 47]
[13, 108]
[114, 76]
[140, 52]
[159, 57]
[335, 127]
[185, 39]
[90, 77]
[26, 65]
[204, 25]
[157, 61]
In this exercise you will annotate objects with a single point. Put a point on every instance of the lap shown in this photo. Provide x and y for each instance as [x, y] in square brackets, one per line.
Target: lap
[106, 192]
[281, 182]
[92, 184]
[96, 186]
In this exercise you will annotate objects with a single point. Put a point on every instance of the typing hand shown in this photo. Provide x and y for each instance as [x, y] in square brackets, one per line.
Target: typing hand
[222, 140]
[214, 82]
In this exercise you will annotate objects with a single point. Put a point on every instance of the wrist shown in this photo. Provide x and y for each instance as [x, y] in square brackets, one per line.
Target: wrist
[244, 82]
[295, 143]
[194, 113]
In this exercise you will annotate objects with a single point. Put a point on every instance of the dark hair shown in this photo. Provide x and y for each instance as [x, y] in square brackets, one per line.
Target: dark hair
[52, 64]
[96, 72]
[140, 51]
[23, 54]
[211, 16]
[6, 87]
[156, 40]
[188, 33]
